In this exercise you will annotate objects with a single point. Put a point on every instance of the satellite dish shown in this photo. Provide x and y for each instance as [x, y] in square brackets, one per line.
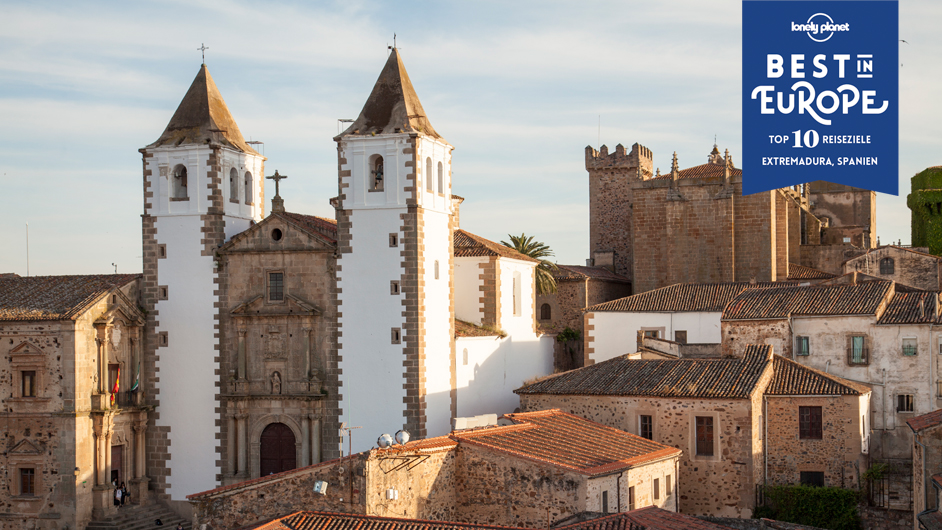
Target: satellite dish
[384, 441]
[402, 437]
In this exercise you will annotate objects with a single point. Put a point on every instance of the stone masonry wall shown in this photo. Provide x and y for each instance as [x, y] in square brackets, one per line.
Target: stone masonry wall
[738, 334]
[424, 491]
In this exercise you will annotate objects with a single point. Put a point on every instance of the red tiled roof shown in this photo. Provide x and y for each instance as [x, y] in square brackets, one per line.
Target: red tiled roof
[55, 297]
[914, 307]
[688, 378]
[470, 245]
[683, 297]
[931, 520]
[925, 421]
[647, 518]
[347, 521]
[579, 272]
[703, 171]
[792, 378]
[841, 299]
[321, 225]
[800, 272]
[568, 441]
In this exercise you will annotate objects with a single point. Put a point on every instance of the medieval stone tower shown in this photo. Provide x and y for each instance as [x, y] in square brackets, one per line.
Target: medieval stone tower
[395, 271]
[202, 184]
[925, 202]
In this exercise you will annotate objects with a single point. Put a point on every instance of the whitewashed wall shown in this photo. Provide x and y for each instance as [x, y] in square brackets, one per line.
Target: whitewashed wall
[468, 283]
[616, 333]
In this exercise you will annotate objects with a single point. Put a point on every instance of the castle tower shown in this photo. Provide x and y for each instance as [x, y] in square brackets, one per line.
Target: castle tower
[925, 202]
[395, 270]
[202, 185]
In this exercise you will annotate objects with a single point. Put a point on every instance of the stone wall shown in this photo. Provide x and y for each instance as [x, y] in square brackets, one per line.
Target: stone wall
[737, 334]
[913, 269]
[882, 519]
[424, 485]
[851, 212]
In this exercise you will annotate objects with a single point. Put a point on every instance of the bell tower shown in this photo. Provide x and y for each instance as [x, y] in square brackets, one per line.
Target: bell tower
[202, 185]
[395, 267]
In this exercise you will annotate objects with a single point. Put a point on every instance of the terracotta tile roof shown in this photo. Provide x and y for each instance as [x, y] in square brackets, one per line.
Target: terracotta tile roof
[693, 378]
[842, 299]
[322, 225]
[932, 419]
[203, 117]
[792, 378]
[937, 479]
[682, 297]
[915, 307]
[931, 520]
[702, 171]
[648, 518]
[800, 272]
[565, 440]
[469, 245]
[55, 297]
[466, 329]
[347, 521]
[579, 272]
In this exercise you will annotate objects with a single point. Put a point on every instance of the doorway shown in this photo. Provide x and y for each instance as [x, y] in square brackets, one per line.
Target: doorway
[278, 451]
[117, 458]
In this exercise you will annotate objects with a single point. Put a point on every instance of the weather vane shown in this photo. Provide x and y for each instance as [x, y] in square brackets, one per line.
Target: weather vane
[203, 47]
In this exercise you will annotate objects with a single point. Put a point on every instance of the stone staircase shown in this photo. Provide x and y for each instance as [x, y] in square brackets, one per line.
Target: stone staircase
[136, 517]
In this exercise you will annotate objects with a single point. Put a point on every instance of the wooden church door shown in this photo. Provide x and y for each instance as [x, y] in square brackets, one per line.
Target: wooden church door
[278, 452]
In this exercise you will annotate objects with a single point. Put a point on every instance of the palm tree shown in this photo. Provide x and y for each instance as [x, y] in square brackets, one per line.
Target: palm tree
[524, 244]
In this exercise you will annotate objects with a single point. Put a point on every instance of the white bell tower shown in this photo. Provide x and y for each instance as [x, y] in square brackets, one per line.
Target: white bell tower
[202, 185]
[395, 267]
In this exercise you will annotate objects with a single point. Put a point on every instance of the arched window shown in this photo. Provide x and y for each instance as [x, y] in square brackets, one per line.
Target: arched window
[436, 269]
[546, 312]
[429, 183]
[179, 183]
[441, 178]
[248, 188]
[233, 185]
[887, 266]
[376, 173]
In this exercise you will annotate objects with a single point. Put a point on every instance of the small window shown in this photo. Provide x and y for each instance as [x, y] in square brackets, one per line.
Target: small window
[802, 346]
[809, 423]
[29, 383]
[162, 338]
[429, 182]
[233, 185]
[27, 481]
[631, 498]
[668, 486]
[162, 253]
[376, 173]
[114, 299]
[276, 286]
[646, 426]
[276, 234]
[887, 266]
[650, 333]
[812, 478]
[464, 357]
[441, 178]
[517, 295]
[393, 240]
[248, 188]
[909, 347]
[179, 183]
[857, 351]
[546, 312]
[657, 488]
[396, 336]
[680, 336]
[704, 436]
[163, 293]
[394, 287]
[904, 403]
[605, 502]
[436, 269]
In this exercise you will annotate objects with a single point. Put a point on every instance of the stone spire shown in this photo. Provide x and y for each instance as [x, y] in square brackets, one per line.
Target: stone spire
[727, 164]
[675, 168]
[393, 106]
[203, 118]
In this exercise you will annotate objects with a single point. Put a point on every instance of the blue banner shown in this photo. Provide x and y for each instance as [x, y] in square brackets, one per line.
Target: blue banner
[820, 94]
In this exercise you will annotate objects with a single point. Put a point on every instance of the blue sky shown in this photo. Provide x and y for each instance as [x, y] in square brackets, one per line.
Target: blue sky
[516, 87]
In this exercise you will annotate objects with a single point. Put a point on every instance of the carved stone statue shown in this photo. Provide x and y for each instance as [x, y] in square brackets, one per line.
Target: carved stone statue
[275, 383]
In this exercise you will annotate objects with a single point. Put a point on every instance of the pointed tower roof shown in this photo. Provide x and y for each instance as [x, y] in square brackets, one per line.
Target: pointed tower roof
[203, 118]
[393, 105]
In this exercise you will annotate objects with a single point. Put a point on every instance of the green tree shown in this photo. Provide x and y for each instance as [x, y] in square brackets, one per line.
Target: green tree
[524, 244]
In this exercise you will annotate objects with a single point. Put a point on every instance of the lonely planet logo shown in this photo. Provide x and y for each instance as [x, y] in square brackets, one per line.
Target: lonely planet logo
[820, 27]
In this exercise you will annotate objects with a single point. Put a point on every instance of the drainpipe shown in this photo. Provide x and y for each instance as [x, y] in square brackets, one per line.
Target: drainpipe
[827, 366]
[883, 431]
[676, 485]
[618, 490]
[765, 440]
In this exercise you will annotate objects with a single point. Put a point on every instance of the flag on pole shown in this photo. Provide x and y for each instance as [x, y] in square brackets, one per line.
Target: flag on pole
[114, 389]
[137, 379]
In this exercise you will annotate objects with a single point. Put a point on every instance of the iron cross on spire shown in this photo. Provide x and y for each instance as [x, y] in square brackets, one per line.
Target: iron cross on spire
[277, 178]
[393, 47]
[203, 47]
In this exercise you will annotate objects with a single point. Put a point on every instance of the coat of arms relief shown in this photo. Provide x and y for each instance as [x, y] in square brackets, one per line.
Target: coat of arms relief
[277, 344]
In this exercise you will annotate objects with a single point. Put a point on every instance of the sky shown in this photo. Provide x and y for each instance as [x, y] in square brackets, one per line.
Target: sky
[518, 88]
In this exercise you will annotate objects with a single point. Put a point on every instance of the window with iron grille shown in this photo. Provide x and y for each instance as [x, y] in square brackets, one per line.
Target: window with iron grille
[704, 436]
[802, 346]
[857, 350]
[27, 481]
[809, 423]
[909, 347]
[646, 426]
[904, 403]
[276, 286]
[887, 266]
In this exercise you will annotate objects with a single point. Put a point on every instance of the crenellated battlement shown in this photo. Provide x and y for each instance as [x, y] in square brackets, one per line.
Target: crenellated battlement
[639, 158]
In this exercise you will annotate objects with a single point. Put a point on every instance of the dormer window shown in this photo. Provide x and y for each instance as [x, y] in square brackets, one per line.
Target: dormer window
[887, 266]
[376, 173]
[233, 185]
[248, 187]
[441, 178]
[429, 183]
[179, 183]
